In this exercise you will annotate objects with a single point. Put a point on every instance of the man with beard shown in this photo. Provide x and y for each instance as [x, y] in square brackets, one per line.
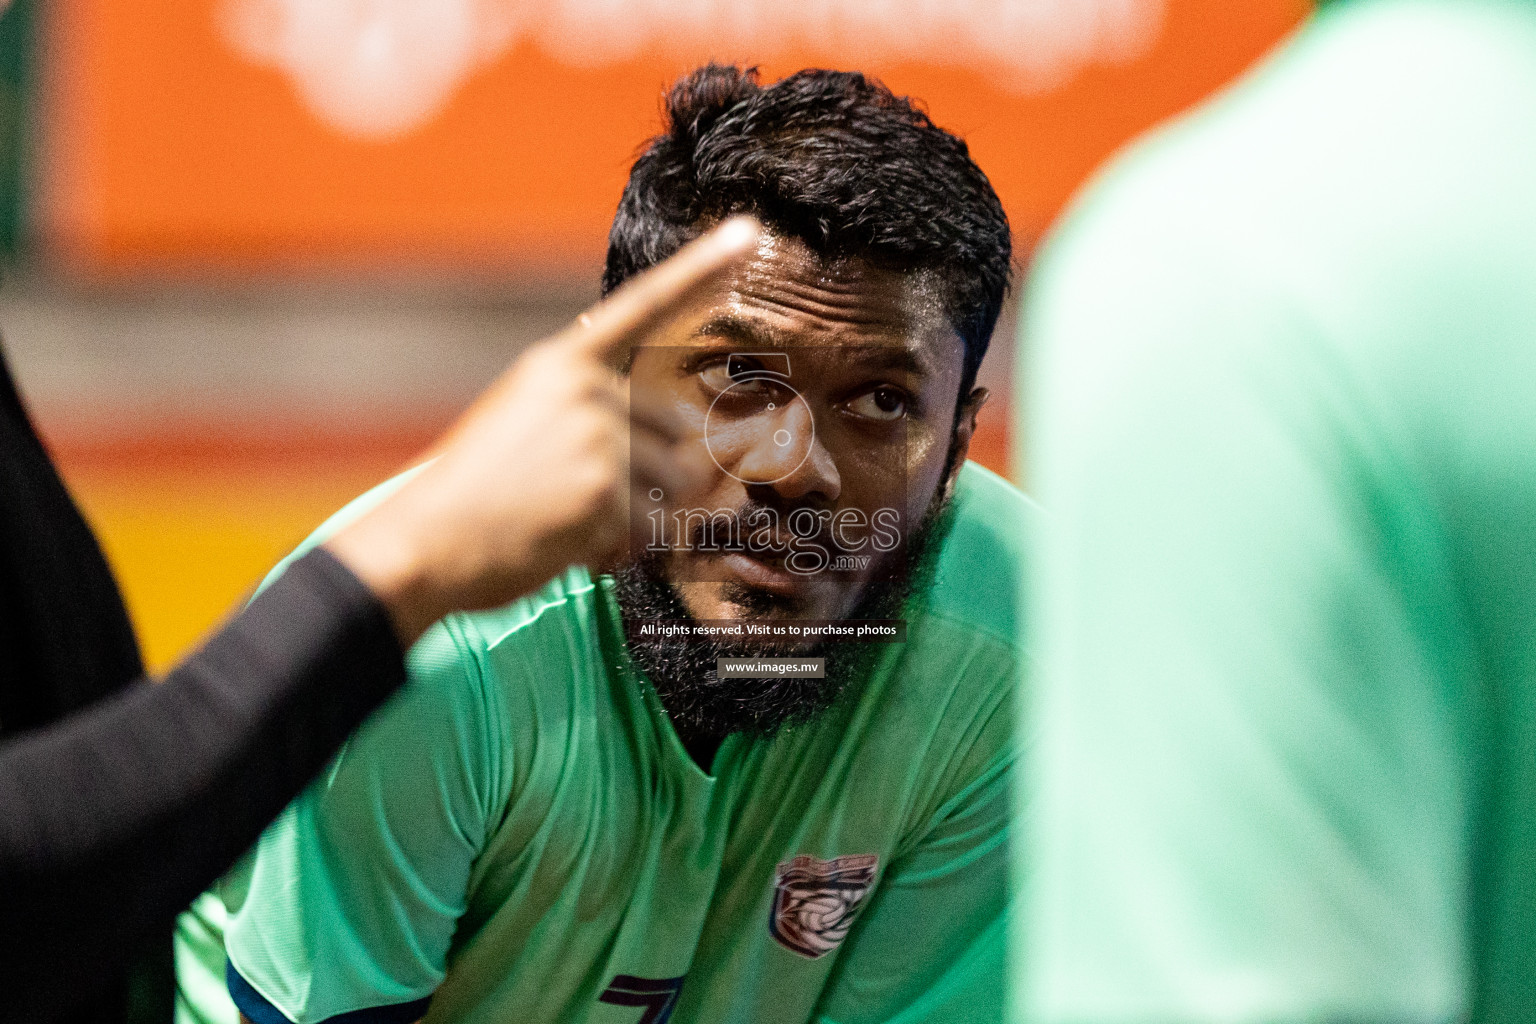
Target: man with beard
[570, 814]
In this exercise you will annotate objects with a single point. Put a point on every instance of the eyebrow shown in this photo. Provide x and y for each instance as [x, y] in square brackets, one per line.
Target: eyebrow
[743, 331]
[730, 327]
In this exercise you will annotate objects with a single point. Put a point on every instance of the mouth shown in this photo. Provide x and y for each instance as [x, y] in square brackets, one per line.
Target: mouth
[764, 574]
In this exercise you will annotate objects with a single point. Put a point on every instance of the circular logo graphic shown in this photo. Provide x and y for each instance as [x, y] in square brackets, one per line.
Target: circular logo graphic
[787, 439]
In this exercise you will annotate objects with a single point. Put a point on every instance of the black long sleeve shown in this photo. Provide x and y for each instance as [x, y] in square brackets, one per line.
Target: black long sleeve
[112, 820]
[121, 799]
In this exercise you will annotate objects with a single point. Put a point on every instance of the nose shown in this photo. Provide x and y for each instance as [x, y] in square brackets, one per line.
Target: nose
[778, 457]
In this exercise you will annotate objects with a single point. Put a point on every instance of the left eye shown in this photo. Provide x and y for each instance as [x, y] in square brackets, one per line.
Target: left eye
[880, 404]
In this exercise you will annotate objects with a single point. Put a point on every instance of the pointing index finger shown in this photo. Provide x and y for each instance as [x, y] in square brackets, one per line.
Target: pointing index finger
[649, 299]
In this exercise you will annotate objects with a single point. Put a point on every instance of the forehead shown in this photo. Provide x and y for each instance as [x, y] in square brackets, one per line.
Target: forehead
[788, 295]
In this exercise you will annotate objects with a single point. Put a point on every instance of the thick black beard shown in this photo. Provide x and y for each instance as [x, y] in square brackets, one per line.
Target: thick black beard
[683, 671]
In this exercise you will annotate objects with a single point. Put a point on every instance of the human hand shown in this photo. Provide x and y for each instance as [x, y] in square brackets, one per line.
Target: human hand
[537, 474]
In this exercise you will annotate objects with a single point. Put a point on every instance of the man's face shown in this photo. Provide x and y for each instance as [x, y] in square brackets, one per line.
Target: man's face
[825, 392]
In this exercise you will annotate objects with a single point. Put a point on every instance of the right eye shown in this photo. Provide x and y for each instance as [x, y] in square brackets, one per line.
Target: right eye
[720, 374]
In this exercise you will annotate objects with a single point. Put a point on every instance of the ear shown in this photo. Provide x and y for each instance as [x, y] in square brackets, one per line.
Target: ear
[965, 429]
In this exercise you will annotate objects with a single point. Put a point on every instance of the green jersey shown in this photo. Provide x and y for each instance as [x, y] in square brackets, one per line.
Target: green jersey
[1284, 430]
[521, 836]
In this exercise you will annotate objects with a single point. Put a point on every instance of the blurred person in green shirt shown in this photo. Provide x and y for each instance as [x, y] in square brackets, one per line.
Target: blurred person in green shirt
[571, 815]
[1282, 418]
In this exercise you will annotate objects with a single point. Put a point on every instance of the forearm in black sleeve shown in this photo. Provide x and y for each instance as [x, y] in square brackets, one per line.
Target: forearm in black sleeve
[112, 820]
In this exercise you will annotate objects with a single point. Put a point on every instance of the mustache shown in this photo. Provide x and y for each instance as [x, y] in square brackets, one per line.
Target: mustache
[752, 518]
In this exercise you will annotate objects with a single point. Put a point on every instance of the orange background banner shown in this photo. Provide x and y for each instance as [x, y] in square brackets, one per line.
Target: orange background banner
[169, 146]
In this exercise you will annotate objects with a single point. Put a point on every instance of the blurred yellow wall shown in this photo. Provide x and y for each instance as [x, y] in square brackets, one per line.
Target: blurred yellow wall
[186, 551]
[191, 528]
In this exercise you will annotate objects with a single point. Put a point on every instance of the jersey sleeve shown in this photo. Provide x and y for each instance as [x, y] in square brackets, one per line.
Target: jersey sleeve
[354, 893]
[1244, 778]
[931, 946]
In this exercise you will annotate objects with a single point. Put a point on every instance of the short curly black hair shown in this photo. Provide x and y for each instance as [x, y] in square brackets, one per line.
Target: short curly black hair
[835, 159]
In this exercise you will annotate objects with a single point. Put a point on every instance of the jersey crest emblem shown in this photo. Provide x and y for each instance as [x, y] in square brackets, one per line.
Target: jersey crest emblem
[814, 901]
